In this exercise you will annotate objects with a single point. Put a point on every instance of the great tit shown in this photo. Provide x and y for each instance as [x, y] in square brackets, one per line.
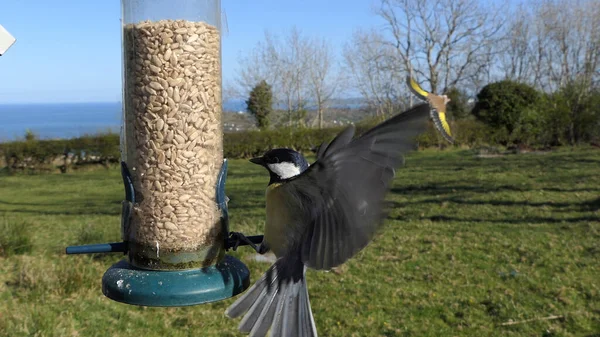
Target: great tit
[320, 215]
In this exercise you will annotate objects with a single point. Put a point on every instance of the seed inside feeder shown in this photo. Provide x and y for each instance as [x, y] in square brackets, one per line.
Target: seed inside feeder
[173, 138]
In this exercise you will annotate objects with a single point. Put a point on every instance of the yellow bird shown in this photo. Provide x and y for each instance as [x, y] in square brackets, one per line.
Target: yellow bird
[438, 111]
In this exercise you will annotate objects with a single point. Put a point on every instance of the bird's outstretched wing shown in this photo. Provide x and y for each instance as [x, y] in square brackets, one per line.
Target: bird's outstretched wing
[416, 88]
[344, 189]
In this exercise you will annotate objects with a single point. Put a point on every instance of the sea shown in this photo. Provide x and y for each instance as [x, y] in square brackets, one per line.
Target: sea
[67, 120]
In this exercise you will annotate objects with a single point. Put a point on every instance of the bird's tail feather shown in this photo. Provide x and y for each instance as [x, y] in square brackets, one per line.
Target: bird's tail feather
[277, 301]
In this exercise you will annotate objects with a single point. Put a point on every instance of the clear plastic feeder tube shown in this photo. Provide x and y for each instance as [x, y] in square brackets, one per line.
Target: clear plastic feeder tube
[172, 138]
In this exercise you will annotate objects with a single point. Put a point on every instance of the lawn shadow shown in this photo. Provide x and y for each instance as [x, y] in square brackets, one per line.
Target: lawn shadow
[450, 188]
[585, 206]
[67, 207]
[525, 220]
[482, 193]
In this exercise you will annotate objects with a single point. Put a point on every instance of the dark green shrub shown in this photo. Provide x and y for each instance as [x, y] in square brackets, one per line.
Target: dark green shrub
[501, 104]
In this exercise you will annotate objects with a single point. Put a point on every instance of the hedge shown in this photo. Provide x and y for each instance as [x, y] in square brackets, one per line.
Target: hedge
[34, 156]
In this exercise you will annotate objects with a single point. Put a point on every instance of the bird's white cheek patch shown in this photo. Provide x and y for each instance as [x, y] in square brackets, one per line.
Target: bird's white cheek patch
[284, 170]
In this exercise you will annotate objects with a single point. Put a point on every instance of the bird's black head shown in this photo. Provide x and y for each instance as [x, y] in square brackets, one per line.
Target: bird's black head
[282, 164]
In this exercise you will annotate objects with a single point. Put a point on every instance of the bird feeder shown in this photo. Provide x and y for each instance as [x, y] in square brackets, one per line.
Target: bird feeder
[174, 222]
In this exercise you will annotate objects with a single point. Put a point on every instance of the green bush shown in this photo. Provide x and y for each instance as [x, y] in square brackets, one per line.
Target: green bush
[568, 116]
[529, 129]
[458, 107]
[573, 115]
[466, 132]
[254, 143]
[32, 155]
[501, 104]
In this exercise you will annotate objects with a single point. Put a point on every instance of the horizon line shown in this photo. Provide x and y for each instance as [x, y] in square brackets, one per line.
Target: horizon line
[66, 102]
[120, 101]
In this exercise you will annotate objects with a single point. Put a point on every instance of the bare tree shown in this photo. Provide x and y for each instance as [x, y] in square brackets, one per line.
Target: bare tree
[446, 41]
[255, 66]
[572, 40]
[321, 81]
[300, 70]
[370, 65]
[553, 43]
[516, 61]
[572, 55]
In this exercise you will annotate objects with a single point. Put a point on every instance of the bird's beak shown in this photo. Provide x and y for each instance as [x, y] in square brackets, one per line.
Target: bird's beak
[258, 160]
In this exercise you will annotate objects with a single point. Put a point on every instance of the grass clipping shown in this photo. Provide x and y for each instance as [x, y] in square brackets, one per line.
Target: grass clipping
[173, 140]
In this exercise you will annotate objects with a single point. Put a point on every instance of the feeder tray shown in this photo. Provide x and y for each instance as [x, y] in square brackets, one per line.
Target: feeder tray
[125, 283]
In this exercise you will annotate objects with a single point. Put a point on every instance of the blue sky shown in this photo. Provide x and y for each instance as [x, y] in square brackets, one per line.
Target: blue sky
[69, 50]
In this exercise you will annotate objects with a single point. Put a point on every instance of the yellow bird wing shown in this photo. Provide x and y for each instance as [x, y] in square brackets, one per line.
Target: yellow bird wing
[416, 89]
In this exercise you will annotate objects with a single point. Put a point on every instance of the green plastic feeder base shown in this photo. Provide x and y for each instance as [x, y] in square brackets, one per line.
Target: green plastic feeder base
[127, 284]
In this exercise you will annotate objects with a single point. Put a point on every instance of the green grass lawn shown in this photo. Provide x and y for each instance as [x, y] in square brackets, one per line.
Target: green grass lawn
[471, 243]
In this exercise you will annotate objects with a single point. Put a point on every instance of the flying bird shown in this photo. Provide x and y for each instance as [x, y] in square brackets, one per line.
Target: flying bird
[318, 216]
[438, 105]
